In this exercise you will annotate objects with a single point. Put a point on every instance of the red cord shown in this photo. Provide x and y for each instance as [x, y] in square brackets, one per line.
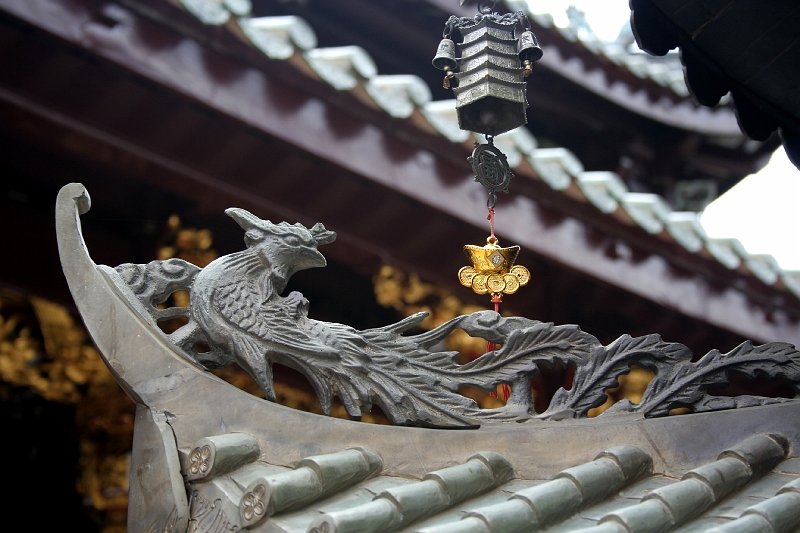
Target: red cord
[505, 390]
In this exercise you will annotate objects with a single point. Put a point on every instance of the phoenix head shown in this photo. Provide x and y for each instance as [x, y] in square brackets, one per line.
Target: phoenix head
[283, 248]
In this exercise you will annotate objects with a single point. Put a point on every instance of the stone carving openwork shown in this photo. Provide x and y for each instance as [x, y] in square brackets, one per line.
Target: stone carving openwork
[238, 315]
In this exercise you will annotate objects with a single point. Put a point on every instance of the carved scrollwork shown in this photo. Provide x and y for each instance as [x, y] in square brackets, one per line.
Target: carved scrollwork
[208, 517]
[510, 19]
[236, 307]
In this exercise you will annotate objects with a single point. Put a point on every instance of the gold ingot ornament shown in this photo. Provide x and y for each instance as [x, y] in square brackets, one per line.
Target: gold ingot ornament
[493, 270]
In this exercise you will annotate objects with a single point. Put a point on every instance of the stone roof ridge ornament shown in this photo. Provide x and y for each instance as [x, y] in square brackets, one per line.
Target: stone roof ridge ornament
[238, 311]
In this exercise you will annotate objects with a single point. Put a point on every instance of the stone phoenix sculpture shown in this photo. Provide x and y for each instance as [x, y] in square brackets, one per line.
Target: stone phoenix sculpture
[237, 310]
[210, 458]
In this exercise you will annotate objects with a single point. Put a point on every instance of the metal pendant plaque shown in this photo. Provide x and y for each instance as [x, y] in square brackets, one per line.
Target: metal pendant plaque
[491, 168]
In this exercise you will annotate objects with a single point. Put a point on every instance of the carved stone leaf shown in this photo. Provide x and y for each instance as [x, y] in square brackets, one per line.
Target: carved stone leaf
[523, 349]
[718, 403]
[602, 370]
[686, 384]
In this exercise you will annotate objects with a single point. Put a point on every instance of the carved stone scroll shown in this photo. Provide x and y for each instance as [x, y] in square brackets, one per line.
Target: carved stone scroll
[237, 309]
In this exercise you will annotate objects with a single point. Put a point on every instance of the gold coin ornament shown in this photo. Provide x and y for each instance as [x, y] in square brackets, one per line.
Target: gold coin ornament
[521, 274]
[493, 270]
[466, 275]
[479, 284]
[512, 283]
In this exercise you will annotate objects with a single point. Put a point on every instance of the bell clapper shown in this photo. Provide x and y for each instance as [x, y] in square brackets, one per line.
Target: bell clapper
[527, 68]
[448, 75]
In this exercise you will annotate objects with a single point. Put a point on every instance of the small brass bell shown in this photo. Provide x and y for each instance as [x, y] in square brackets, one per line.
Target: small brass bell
[445, 60]
[529, 47]
[529, 51]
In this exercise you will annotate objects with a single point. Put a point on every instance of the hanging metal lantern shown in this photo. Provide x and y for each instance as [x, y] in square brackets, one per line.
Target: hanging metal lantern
[488, 81]
[490, 88]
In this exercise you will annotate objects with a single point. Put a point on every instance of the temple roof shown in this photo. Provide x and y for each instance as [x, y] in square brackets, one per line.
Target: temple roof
[753, 486]
[275, 87]
[407, 97]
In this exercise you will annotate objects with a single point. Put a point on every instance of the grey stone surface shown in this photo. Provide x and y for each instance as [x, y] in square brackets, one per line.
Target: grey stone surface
[157, 499]
[237, 309]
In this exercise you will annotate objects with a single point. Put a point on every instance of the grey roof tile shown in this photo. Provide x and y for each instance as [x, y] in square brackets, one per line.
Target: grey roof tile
[571, 490]
[599, 510]
[649, 211]
[364, 492]
[640, 489]
[399, 507]
[701, 488]
[341, 67]
[399, 95]
[571, 524]
[732, 507]
[312, 479]
[790, 466]
[278, 37]
[701, 525]
[686, 229]
[208, 11]
[778, 514]
[749, 485]
[458, 512]
[791, 279]
[603, 189]
[727, 251]
[768, 486]
[213, 456]
[764, 267]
